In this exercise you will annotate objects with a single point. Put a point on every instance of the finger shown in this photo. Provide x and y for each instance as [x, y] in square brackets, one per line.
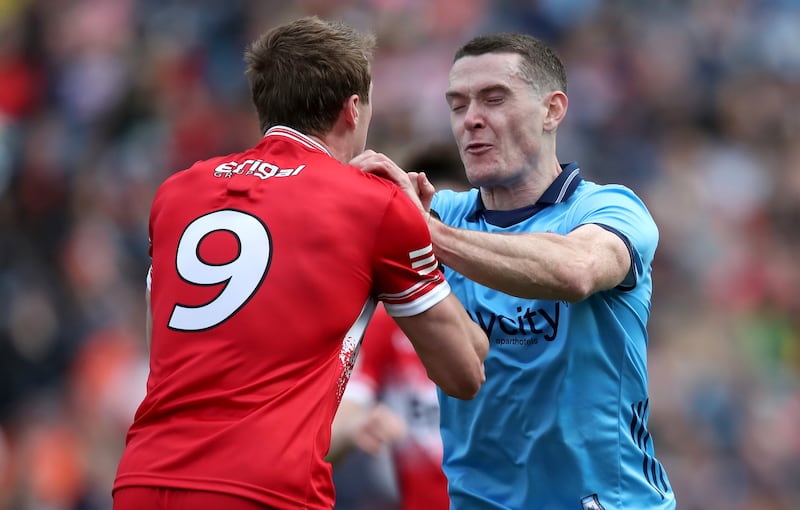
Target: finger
[370, 157]
[385, 168]
[414, 178]
[425, 191]
[360, 157]
[380, 165]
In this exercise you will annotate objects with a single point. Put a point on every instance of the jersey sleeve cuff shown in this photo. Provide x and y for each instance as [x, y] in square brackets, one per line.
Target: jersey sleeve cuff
[419, 305]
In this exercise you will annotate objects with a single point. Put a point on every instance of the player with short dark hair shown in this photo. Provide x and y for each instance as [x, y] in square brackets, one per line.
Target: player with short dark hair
[557, 270]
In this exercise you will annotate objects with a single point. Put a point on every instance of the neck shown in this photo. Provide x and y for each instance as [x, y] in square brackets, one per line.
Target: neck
[522, 192]
[338, 146]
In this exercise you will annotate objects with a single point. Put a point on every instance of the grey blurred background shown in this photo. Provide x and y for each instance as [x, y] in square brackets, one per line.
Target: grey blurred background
[692, 103]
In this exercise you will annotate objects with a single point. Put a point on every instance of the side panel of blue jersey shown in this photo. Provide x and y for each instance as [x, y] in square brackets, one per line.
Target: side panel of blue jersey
[562, 417]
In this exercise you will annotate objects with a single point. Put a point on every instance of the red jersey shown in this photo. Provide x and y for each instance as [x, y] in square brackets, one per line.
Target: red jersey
[266, 266]
[388, 368]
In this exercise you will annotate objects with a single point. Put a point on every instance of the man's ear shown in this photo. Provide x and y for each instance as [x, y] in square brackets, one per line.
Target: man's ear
[350, 110]
[556, 103]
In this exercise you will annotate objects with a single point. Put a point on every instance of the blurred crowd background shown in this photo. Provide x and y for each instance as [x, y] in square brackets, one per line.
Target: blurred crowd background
[692, 103]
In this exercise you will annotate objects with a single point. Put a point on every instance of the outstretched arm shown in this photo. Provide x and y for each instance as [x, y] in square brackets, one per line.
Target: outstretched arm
[538, 265]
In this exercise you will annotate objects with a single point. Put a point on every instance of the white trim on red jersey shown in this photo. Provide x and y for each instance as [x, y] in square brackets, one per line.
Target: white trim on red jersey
[397, 305]
[352, 342]
[298, 137]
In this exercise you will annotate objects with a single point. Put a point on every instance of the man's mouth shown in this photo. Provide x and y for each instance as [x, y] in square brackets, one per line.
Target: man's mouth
[477, 148]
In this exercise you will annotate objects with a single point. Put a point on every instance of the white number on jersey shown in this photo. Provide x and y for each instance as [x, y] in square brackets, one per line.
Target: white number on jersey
[242, 276]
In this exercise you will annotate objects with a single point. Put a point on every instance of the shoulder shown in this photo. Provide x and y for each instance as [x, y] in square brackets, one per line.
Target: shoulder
[448, 203]
[358, 183]
[200, 168]
[592, 189]
[593, 197]
[619, 208]
[448, 196]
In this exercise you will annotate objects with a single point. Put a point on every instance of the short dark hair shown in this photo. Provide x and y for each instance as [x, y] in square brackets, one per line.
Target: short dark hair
[540, 65]
[300, 73]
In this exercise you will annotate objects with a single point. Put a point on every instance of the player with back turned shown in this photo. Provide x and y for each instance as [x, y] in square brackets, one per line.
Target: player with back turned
[266, 268]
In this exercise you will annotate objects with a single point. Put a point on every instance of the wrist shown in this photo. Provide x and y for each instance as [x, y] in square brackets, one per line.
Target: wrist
[432, 215]
[435, 226]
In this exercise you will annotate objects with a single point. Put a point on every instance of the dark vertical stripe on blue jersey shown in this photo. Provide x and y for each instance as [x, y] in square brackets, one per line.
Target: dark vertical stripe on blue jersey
[651, 468]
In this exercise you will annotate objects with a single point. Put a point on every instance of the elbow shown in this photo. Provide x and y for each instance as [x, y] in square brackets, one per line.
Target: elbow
[576, 291]
[463, 392]
[466, 388]
[575, 285]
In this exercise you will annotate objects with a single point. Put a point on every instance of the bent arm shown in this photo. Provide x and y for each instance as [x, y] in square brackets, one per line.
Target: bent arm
[537, 265]
[450, 345]
[533, 266]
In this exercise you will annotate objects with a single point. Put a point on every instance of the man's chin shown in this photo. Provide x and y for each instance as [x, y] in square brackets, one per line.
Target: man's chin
[480, 175]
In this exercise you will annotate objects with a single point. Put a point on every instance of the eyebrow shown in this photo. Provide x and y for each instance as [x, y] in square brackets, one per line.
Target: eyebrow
[485, 91]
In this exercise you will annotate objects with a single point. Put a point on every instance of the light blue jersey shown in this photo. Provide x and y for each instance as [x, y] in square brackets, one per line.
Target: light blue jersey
[561, 422]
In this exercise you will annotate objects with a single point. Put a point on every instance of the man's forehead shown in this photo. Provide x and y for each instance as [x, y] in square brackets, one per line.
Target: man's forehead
[485, 71]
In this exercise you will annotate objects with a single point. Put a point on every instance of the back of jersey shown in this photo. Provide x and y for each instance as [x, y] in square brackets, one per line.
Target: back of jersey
[264, 268]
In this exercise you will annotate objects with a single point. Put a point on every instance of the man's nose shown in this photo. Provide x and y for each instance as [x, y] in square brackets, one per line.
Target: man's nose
[474, 118]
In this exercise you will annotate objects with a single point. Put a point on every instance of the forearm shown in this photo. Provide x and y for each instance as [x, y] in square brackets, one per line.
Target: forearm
[447, 328]
[534, 266]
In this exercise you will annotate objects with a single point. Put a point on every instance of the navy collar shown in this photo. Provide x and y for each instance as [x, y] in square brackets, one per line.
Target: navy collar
[561, 189]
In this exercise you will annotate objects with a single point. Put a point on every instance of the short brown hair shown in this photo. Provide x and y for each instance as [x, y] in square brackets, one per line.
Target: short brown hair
[301, 73]
[540, 66]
